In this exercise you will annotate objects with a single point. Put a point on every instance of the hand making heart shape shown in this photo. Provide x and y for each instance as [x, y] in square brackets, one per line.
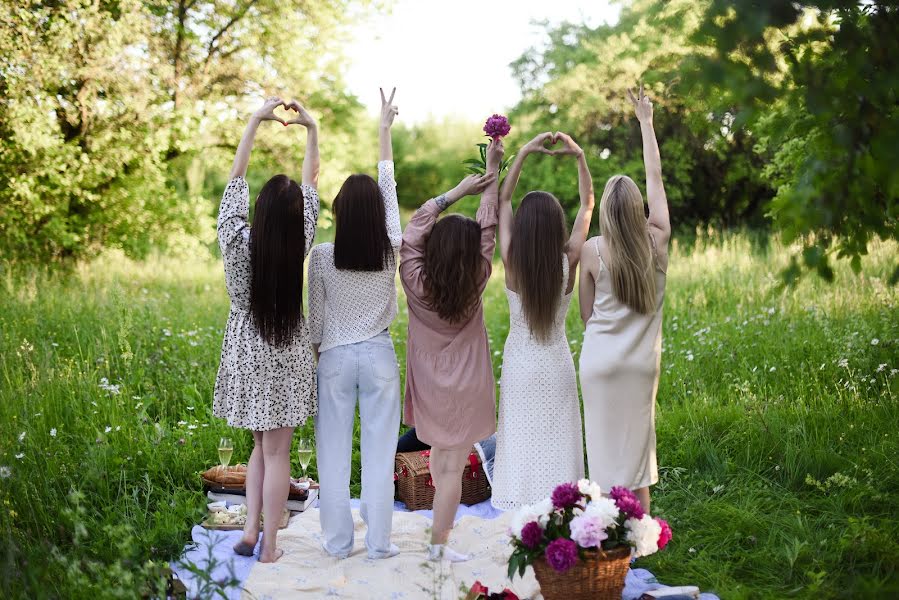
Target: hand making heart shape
[267, 112]
[544, 144]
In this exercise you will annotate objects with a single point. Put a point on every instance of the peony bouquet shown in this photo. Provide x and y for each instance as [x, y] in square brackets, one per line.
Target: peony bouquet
[495, 128]
[578, 520]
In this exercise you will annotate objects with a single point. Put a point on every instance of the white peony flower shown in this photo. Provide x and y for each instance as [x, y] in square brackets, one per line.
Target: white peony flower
[589, 488]
[603, 509]
[644, 535]
[538, 512]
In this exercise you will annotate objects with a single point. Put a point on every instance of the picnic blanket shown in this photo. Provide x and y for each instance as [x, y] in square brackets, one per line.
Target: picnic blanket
[306, 571]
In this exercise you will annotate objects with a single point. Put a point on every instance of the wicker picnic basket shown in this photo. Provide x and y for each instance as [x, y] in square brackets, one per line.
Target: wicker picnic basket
[598, 577]
[416, 489]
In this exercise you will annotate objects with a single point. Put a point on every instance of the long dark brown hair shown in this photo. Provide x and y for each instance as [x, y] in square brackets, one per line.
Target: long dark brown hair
[277, 247]
[453, 267]
[535, 259]
[361, 242]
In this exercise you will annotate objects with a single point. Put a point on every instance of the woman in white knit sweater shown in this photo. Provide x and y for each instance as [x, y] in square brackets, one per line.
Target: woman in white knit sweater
[352, 301]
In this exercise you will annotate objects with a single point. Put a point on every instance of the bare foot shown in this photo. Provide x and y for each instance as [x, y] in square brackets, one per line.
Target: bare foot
[246, 545]
[270, 557]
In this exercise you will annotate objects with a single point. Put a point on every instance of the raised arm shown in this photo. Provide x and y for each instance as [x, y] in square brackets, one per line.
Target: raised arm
[386, 181]
[581, 224]
[415, 236]
[652, 160]
[487, 212]
[508, 188]
[311, 161]
[242, 157]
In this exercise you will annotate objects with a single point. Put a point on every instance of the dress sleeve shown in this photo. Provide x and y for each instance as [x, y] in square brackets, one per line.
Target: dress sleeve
[487, 217]
[387, 184]
[232, 226]
[412, 251]
[310, 215]
[316, 296]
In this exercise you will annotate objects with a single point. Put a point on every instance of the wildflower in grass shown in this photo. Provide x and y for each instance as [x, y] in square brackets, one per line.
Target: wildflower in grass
[566, 495]
[875, 341]
[182, 423]
[108, 429]
[772, 369]
[191, 426]
[190, 408]
[20, 455]
[21, 437]
[561, 554]
[118, 427]
[53, 432]
[5, 472]
[531, 534]
[690, 356]
[844, 363]
[881, 367]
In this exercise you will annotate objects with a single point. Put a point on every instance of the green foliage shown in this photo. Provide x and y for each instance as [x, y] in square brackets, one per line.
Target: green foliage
[814, 83]
[776, 421]
[577, 85]
[112, 113]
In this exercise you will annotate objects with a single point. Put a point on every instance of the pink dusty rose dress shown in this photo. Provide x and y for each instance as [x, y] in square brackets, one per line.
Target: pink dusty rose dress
[450, 390]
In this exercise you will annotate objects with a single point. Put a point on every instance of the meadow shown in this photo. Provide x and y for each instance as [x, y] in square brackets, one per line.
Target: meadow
[777, 421]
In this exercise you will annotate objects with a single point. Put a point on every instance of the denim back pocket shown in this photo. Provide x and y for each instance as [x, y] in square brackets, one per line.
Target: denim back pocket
[383, 358]
[330, 362]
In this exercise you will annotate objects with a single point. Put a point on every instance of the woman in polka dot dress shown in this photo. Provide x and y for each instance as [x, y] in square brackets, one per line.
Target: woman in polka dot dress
[266, 378]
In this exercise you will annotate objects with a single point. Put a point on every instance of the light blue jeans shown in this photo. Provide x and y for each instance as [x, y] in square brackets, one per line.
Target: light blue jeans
[367, 370]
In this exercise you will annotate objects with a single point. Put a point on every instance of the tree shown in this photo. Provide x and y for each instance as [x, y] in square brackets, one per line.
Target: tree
[815, 83]
[111, 111]
[577, 85]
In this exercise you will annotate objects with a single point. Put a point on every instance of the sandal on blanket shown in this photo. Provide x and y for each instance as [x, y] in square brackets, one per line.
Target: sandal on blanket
[244, 549]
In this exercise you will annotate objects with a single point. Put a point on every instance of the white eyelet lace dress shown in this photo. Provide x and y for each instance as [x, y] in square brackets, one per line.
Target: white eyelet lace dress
[259, 387]
[539, 443]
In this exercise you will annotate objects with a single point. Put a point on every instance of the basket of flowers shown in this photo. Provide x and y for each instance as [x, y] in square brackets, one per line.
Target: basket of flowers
[580, 542]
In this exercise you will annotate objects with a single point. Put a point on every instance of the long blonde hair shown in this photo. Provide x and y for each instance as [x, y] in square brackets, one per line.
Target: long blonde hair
[622, 221]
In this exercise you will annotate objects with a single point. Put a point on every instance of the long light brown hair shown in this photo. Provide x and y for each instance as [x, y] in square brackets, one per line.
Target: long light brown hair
[622, 221]
[453, 267]
[535, 259]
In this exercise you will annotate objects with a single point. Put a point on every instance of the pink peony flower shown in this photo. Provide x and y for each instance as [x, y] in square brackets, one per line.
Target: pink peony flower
[561, 554]
[566, 495]
[587, 531]
[627, 502]
[497, 126]
[666, 534]
[531, 535]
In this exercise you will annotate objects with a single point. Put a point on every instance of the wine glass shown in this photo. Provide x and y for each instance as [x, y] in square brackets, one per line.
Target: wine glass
[226, 448]
[304, 453]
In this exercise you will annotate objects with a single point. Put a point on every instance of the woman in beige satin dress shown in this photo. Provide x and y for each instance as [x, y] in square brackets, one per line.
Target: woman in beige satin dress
[621, 291]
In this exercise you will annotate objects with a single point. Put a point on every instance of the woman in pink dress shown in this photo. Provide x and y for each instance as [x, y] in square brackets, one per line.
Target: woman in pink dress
[450, 390]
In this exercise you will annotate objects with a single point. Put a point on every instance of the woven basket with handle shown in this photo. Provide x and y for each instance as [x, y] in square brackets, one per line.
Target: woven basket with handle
[598, 577]
[416, 488]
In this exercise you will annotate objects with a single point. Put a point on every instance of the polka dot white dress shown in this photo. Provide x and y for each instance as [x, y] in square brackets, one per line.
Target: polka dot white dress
[539, 443]
[259, 386]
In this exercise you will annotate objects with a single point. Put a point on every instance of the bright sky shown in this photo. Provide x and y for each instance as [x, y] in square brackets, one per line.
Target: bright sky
[451, 57]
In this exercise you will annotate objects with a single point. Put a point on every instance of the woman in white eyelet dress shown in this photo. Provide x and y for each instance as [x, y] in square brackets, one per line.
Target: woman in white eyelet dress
[539, 440]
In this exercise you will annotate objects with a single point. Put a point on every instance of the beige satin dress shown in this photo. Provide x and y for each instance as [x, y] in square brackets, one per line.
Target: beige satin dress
[619, 372]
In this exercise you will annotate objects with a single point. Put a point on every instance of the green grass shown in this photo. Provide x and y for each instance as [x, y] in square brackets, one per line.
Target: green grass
[777, 427]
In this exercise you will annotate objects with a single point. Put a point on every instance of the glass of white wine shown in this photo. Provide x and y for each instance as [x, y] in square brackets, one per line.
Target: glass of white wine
[226, 448]
[304, 452]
